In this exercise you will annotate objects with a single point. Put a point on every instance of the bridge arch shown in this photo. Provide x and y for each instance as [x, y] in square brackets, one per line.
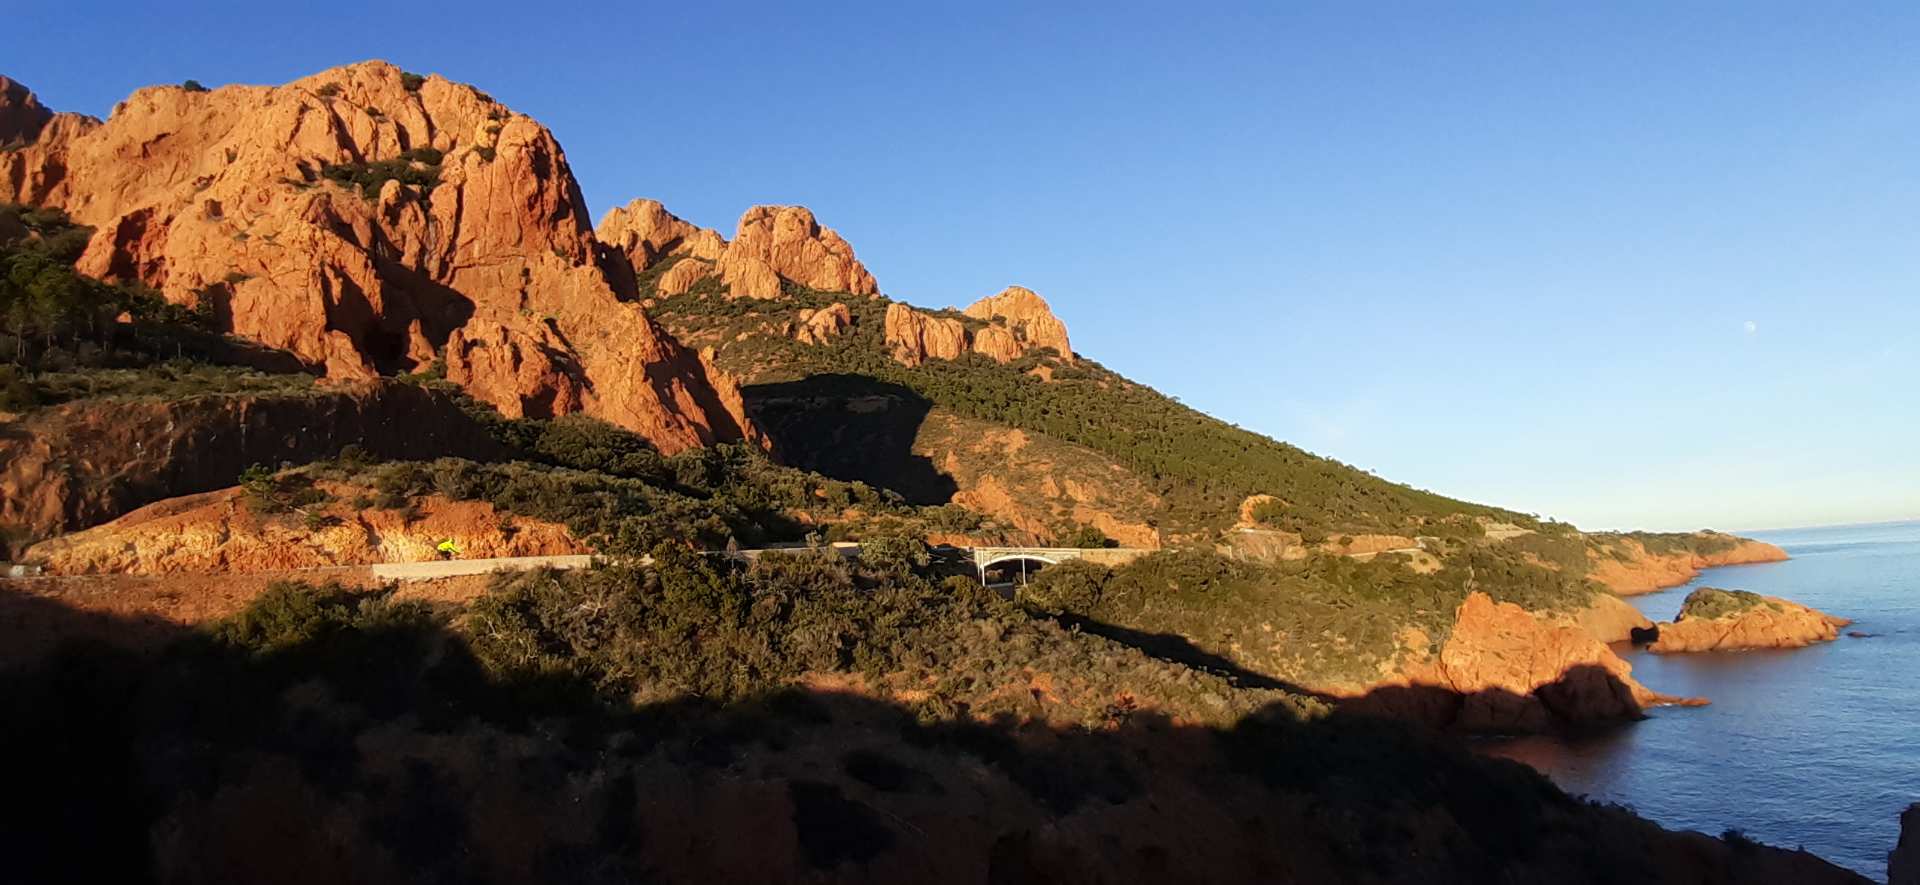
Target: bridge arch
[1005, 558]
[1030, 560]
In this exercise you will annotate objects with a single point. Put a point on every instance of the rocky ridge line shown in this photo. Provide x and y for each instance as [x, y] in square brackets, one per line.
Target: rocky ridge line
[371, 222]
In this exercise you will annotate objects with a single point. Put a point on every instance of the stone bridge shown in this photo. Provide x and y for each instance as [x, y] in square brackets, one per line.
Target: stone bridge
[988, 557]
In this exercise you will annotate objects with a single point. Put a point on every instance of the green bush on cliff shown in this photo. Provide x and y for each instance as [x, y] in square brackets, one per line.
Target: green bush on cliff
[1676, 543]
[419, 168]
[1322, 620]
[269, 492]
[1710, 603]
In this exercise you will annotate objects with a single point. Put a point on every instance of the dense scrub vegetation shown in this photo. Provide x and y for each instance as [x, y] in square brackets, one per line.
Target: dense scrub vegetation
[1202, 466]
[417, 168]
[358, 736]
[1675, 543]
[1321, 621]
[1709, 603]
[618, 494]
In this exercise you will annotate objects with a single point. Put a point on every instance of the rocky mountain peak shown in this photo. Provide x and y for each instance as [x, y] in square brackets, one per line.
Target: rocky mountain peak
[786, 242]
[646, 233]
[22, 116]
[370, 220]
[1027, 315]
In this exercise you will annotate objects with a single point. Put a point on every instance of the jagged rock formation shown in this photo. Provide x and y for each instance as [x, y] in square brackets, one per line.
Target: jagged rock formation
[1026, 315]
[1748, 621]
[771, 244]
[22, 116]
[221, 532]
[645, 232]
[915, 336]
[788, 242]
[1008, 326]
[370, 221]
[1610, 619]
[820, 326]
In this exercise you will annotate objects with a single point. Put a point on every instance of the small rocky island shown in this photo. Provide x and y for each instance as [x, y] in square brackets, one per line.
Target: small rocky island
[1713, 619]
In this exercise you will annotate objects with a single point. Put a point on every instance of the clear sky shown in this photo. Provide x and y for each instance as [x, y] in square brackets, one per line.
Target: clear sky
[1627, 264]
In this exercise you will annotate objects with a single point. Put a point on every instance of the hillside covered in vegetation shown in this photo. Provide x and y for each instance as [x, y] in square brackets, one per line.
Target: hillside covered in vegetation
[1202, 466]
[369, 298]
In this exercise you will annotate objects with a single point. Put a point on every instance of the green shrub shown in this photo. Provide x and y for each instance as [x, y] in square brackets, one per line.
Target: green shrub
[419, 168]
[893, 554]
[1201, 467]
[290, 614]
[411, 81]
[1072, 587]
[16, 394]
[271, 493]
[193, 86]
[1711, 603]
[1084, 536]
[584, 443]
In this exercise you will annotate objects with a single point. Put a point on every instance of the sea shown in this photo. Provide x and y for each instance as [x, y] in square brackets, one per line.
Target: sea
[1816, 747]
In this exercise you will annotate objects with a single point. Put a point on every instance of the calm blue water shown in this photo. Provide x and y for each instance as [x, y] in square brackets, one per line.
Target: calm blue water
[1816, 747]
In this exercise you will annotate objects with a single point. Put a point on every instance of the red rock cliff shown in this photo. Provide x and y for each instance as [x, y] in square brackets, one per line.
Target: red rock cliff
[772, 244]
[1027, 316]
[1772, 623]
[484, 259]
[1503, 669]
[1627, 567]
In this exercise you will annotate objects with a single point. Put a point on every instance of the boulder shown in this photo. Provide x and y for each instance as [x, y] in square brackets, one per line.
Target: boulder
[748, 276]
[996, 343]
[644, 232]
[914, 337]
[1027, 316]
[788, 242]
[288, 201]
[820, 326]
[682, 276]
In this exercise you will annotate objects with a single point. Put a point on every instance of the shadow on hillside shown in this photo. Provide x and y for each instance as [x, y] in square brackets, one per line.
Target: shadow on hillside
[209, 442]
[1584, 699]
[851, 427]
[1176, 649]
[387, 753]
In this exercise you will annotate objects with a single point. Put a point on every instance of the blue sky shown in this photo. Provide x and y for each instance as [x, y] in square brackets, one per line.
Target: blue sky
[1628, 264]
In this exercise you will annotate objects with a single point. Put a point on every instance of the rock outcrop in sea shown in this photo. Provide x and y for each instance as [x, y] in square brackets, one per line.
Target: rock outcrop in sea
[1712, 619]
